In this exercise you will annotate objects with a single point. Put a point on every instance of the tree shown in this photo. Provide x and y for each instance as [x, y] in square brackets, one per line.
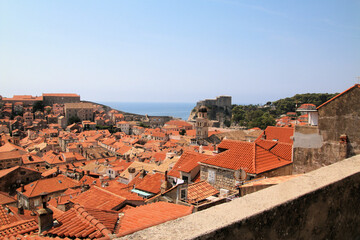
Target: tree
[73, 119]
[182, 132]
[38, 106]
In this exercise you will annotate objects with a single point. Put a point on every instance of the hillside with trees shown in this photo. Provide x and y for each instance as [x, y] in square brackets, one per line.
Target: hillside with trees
[250, 116]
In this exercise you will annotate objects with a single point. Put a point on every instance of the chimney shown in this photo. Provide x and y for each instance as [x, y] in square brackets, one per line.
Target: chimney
[264, 135]
[22, 188]
[165, 184]
[21, 210]
[45, 214]
[142, 173]
[131, 171]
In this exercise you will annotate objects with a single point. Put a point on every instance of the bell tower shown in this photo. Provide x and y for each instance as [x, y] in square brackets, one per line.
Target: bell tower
[202, 124]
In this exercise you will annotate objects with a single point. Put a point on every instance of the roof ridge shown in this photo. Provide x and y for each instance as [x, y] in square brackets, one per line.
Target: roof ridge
[91, 219]
[34, 186]
[269, 150]
[333, 98]
[116, 195]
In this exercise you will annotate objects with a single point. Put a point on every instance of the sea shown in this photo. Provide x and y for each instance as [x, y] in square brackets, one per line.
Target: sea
[177, 110]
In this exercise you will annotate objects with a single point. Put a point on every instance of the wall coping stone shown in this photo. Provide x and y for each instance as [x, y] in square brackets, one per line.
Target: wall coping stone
[215, 218]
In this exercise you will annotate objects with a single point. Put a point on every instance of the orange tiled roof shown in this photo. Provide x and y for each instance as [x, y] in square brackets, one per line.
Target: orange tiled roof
[124, 149]
[30, 159]
[49, 172]
[18, 228]
[249, 156]
[306, 106]
[80, 222]
[279, 133]
[151, 183]
[187, 162]
[7, 147]
[6, 199]
[49, 185]
[149, 215]
[199, 191]
[122, 190]
[99, 198]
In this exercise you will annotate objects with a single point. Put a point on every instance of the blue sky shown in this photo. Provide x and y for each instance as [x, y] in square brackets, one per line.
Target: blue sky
[179, 51]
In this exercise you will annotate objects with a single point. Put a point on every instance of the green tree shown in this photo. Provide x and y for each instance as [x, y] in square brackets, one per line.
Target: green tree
[182, 132]
[38, 106]
[73, 119]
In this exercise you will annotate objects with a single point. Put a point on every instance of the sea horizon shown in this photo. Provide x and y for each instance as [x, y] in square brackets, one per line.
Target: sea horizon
[174, 109]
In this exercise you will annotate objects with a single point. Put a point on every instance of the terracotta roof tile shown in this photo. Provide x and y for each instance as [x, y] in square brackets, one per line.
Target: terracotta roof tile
[280, 134]
[80, 222]
[200, 191]
[151, 183]
[250, 156]
[49, 185]
[18, 228]
[145, 216]
[6, 199]
[187, 162]
[98, 198]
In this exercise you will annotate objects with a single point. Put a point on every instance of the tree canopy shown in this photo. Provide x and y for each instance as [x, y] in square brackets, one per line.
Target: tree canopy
[251, 115]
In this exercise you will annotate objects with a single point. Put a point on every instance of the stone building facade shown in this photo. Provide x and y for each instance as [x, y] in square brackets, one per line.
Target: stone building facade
[51, 98]
[335, 138]
[84, 111]
[12, 178]
[10, 159]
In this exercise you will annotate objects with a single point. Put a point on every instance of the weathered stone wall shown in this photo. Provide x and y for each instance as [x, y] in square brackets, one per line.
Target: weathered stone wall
[247, 190]
[11, 181]
[342, 116]
[223, 178]
[282, 171]
[321, 204]
[312, 152]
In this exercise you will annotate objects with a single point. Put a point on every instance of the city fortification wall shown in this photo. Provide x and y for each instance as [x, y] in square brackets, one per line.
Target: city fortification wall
[321, 204]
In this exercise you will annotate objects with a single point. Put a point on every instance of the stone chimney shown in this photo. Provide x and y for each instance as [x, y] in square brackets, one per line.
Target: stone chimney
[22, 188]
[132, 173]
[21, 210]
[45, 214]
[165, 185]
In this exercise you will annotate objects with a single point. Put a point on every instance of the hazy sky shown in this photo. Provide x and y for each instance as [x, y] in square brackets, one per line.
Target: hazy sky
[178, 51]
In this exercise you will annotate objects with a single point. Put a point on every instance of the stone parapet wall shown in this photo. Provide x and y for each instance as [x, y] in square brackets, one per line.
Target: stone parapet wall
[322, 204]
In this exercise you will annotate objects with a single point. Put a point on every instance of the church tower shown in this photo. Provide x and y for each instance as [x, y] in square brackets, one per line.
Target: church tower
[202, 124]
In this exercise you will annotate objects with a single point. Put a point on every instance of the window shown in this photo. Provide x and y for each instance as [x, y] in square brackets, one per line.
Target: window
[185, 178]
[183, 194]
[211, 176]
[36, 202]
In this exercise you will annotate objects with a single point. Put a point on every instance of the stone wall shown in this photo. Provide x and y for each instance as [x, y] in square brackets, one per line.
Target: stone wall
[223, 178]
[311, 151]
[342, 116]
[12, 180]
[282, 171]
[321, 204]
